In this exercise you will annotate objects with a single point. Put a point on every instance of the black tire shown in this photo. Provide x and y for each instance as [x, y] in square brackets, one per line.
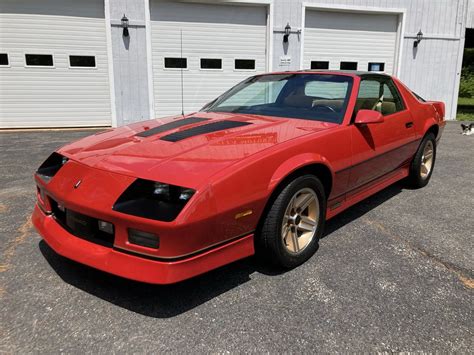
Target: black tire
[269, 237]
[417, 179]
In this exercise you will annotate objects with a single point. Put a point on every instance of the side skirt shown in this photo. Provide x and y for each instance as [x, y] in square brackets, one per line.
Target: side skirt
[363, 192]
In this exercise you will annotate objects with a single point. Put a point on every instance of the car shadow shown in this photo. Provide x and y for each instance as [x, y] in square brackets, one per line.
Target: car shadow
[361, 208]
[170, 300]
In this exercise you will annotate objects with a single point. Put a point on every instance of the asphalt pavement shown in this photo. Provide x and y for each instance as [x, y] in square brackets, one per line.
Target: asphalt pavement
[393, 273]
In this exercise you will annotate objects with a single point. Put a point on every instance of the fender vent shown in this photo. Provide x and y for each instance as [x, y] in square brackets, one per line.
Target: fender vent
[208, 128]
[171, 125]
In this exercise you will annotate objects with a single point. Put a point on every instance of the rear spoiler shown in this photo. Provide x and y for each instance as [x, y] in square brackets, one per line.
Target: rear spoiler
[439, 107]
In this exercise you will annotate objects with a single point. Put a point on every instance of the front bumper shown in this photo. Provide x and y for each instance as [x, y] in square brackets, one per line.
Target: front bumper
[135, 267]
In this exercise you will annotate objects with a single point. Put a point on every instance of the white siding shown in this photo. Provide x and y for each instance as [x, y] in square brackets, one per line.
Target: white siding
[224, 32]
[58, 96]
[130, 62]
[353, 37]
[470, 16]
[131, 75]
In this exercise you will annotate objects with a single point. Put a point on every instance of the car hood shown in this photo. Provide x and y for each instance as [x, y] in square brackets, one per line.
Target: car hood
[190, 161]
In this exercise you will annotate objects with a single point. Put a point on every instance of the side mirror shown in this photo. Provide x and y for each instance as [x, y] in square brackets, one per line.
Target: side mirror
[368, 117]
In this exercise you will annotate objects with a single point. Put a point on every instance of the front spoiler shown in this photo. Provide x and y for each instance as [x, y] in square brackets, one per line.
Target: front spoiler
[135, 267]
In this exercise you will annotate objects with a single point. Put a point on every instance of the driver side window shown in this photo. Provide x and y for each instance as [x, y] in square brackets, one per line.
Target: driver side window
[378, 95]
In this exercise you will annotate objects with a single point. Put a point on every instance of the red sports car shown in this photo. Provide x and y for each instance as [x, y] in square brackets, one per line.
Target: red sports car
[262, 168]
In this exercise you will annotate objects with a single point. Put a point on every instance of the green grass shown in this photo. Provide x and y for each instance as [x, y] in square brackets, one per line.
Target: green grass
[466, 101]
[465, 117]
[465, 109]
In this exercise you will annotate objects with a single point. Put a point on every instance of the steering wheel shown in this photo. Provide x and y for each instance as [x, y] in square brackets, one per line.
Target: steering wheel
[329, 108]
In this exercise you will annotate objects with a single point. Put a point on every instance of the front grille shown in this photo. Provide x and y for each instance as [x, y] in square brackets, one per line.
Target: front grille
[81, 226]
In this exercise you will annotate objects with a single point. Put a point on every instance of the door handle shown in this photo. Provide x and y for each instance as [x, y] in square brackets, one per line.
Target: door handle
[409, 124]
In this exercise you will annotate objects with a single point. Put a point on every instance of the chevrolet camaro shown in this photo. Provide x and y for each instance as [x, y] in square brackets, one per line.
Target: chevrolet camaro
[258, 170]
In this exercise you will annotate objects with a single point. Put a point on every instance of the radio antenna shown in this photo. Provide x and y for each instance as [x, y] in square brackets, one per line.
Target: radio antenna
[182, 78]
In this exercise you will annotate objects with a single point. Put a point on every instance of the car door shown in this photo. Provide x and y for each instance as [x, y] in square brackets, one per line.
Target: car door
[380, 148]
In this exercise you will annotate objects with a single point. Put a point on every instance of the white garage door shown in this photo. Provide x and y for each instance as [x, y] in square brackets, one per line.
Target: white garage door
[53, 64]
[222, 45]
[350, 41]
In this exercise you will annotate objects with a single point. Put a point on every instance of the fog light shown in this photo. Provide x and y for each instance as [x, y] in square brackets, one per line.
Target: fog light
[143, 239]
[106, 227]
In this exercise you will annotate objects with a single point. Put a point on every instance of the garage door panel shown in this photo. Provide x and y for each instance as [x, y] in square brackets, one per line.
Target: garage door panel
[83, 8]
[209, 32]
[354, 37]
[350, 21]
[57, 96]
[188, 12]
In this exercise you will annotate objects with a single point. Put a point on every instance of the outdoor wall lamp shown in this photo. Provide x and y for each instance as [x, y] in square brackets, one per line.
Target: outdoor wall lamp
[419, 37]
[287, 33]
[124, 21]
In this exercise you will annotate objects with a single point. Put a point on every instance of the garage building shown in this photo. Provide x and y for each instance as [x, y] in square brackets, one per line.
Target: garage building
[66, 63]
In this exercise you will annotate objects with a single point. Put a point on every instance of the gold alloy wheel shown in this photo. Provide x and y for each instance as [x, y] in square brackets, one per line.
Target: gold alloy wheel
[300, 220]
[427, 160]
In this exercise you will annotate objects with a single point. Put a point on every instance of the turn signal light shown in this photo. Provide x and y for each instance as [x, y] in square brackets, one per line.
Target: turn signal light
[43, 201]
[143, 239]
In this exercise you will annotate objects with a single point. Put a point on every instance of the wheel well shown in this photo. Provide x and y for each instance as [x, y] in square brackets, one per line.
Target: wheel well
[433, 129]
[319, 170]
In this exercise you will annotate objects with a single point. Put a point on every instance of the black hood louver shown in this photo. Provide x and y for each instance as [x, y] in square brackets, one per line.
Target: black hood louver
[171, 125]
[207, 128]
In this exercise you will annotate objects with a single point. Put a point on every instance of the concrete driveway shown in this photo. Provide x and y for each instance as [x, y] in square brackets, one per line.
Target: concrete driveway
[393, 273]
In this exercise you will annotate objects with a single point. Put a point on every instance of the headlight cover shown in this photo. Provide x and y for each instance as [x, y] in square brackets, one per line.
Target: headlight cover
[153, 200]
[51, 166]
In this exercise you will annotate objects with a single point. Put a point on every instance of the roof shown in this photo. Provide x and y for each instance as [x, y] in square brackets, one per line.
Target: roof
[353, 72]
[334, 72]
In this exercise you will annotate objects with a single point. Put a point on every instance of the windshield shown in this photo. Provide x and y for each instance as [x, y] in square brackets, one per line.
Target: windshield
[319, 97]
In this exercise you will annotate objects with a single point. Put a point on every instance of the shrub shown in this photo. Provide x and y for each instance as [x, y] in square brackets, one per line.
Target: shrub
[466, 89]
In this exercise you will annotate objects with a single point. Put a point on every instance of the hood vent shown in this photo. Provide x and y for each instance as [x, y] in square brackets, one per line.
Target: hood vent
[208, 128]
[171, 125]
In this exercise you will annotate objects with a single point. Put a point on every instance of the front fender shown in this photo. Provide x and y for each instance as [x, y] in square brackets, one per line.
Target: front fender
[295, 163]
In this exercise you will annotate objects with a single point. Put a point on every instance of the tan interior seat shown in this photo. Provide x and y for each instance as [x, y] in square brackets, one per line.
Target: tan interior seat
[388, 108]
